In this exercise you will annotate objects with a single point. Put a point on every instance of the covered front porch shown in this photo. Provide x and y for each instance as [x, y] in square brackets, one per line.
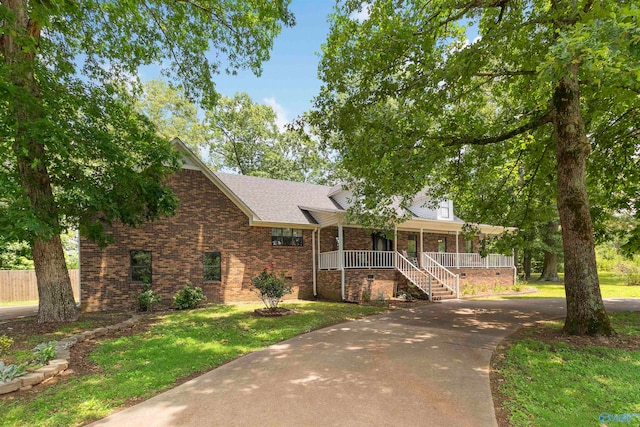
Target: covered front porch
[355, 262]
[369, 259]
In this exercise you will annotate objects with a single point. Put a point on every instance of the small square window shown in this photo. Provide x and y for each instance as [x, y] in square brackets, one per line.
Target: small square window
[212, 262]
[140, 263]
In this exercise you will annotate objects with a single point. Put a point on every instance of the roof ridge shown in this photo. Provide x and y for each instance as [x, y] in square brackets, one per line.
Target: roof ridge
[264, 178]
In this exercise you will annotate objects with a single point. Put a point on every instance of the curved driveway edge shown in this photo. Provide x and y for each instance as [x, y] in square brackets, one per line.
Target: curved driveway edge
[423, 366]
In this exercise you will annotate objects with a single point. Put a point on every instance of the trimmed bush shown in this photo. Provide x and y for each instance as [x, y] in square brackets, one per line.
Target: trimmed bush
[187, 298]
[271, 287]
[147, 298]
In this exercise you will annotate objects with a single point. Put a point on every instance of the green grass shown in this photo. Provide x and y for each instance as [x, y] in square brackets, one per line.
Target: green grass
[559, 384]
[612, 285]
[20, 351]
[179, 345]
[16, 303]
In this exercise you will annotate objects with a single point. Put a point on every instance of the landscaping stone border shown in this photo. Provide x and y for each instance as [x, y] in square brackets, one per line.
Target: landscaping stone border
[63, 354]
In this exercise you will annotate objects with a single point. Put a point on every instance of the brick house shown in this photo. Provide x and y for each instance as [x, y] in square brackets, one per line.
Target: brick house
[228, 228]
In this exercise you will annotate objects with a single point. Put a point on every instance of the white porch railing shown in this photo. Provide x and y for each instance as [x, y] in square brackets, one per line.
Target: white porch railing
[414, 274]
[441, 274]
[453, 260]
[329, 260]
[368, 259]
[357, 259]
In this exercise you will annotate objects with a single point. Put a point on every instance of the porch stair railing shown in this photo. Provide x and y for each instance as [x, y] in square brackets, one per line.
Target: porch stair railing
[441, 274]
[415, 275]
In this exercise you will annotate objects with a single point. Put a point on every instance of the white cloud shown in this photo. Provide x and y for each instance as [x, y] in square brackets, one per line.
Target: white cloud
[281, 113]
[363, 14]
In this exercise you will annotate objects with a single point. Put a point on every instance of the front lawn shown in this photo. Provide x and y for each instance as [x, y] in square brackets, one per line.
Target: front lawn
[179, 345]
[612, 285]
[542, 378]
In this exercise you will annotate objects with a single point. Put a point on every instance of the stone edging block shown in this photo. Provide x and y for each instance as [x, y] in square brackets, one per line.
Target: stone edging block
[63, 354]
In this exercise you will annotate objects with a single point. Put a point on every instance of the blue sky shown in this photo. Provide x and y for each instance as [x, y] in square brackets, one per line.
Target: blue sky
[289, 80]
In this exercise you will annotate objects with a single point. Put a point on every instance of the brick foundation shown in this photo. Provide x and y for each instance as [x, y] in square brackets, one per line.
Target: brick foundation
[382, 284]
[483, 280]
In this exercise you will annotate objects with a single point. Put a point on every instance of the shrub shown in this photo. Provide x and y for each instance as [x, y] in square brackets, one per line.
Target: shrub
[44, 352]
[5, 343]
[271, 287]
[147, 298]
[366, 296]
[10, 372]
[519, 285]
[187, 298]
[631, 274]
[468, 290]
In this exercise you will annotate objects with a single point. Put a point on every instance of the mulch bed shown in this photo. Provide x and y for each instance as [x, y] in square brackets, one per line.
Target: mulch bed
[21, 329]
[79, 363]
[547, 335]
[269, 312]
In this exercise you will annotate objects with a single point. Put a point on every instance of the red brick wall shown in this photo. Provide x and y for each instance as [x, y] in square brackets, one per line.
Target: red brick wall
[483, 280]
[356, 281]
[206, 221]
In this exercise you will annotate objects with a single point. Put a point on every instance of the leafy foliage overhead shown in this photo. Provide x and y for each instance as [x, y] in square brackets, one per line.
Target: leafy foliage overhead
[458, 95]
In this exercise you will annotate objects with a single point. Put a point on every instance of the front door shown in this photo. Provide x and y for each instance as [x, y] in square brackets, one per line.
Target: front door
[412, 246]
[381, 243]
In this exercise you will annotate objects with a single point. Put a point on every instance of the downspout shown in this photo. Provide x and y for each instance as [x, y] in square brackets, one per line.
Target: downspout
[313, 257]
[343, 290]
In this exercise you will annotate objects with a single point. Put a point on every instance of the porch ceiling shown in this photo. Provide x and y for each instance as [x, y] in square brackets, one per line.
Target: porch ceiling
[448, 227]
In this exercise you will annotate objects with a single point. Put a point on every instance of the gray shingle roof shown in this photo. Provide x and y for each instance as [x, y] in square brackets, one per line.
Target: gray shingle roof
[278, 201]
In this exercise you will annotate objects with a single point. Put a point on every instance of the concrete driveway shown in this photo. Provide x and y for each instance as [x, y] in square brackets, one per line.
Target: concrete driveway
[417, 367]
[18, 311]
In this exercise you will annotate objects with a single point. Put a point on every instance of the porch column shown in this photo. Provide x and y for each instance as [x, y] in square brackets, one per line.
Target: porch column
[421, 246]
[395, 238]
[457, 251]
[341, 261]
[486, 260]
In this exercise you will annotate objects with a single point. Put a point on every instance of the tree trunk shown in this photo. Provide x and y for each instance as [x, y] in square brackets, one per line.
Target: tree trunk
[19, 48]
[586, 314]
[550, 266]
[54, 286]
[526, 264]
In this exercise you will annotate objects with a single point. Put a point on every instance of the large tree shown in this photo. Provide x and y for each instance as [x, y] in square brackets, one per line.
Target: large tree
[418, 84]
[237, 134]
[73, 147]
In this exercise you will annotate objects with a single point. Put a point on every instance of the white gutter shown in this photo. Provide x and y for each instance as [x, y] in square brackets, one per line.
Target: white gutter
[313, 256]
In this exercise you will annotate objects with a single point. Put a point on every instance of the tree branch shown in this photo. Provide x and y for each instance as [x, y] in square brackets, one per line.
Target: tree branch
[507, 73]
[216, 15]
[534, 124]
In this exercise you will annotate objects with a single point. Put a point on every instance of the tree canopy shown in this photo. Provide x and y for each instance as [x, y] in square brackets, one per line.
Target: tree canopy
[75, 150]
[237, 135]
[482, 96]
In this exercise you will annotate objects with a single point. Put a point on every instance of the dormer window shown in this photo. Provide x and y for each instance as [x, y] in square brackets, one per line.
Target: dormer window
[445, 210]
